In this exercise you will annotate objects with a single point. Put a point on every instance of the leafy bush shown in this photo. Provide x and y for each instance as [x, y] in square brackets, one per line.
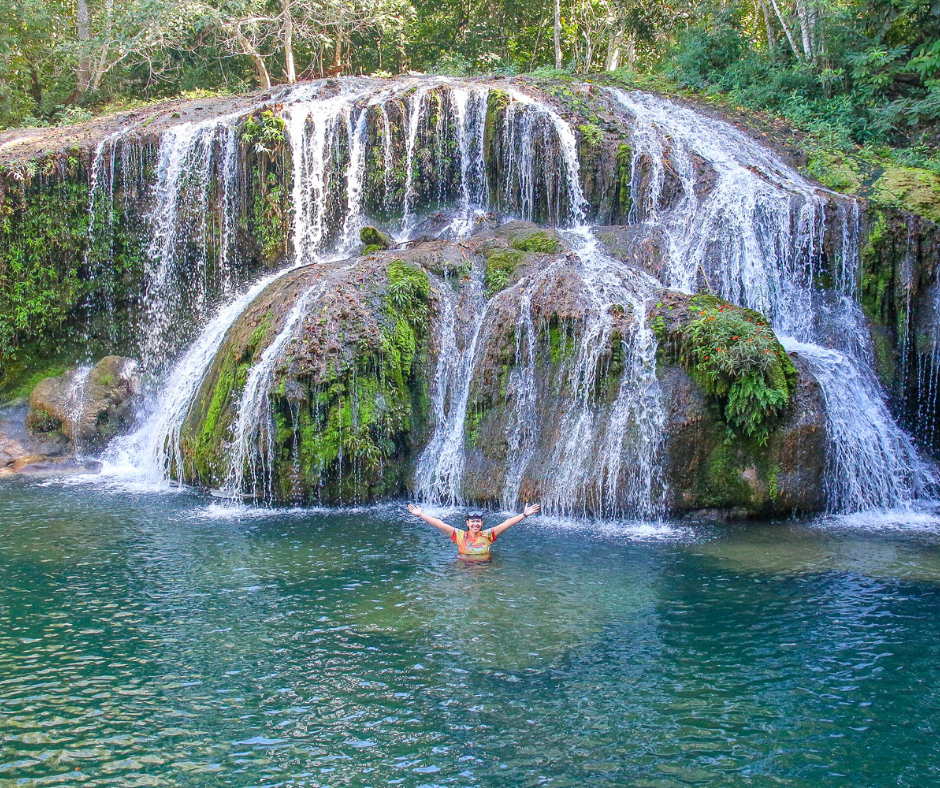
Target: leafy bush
[265, 131]
[736, 358]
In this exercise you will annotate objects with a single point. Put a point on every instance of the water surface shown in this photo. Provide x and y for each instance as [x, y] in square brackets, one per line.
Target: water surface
[160, 639]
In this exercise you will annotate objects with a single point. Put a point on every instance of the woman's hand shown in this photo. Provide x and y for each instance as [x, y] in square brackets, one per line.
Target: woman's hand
[415, 510]
[529, 510]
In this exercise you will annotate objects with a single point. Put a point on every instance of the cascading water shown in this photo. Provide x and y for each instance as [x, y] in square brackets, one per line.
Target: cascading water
[197, 162]
[606, 459]
[252, 445]
[757, 234]
[439, 473]
[153, 452]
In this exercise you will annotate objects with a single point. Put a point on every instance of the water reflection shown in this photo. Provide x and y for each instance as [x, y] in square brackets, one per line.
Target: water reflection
[150, 640]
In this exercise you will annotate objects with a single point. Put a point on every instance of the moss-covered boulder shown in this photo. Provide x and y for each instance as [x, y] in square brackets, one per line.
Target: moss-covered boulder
[345, 401]
[745, 429]
[374, 240]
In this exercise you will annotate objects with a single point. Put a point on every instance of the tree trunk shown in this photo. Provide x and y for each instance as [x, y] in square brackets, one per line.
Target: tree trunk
[101, 68]
[557, 33]
[805, 29]
[786, 30]
[287, 34]
[256, 58]
[35, 89]
[768, 28]
[631, 49]
[612, 61]
[83, 73]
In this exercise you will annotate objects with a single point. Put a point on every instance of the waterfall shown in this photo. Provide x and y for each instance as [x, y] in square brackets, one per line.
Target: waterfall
[470, 111]
[153, 452]
[532, 131]
[75, 404]
[598, 446]
[252, 445]
[757, 234]
[440, 467]
[179, 278]
[415, 116]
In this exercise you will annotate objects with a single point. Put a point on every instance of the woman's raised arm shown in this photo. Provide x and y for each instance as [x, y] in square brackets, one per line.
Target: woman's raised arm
[416, 510]
[516, 519]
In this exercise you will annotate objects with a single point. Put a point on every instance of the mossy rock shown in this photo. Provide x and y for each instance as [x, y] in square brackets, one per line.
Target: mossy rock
[732, 353]
[914, 189]
[346, 392]
[374, 239]
[501, 267]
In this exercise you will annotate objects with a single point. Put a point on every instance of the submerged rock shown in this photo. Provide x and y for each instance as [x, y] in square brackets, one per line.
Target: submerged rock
[86, 406]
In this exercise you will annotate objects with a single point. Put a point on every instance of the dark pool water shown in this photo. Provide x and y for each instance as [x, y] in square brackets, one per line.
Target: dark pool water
[156, 639]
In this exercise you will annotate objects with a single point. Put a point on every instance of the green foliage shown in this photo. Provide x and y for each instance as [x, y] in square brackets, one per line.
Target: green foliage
[539, 242]
[879, 81]
[591, 134]
[408, 288]
[500, 269]
[736, 358]
[50, 265]
[264, 131]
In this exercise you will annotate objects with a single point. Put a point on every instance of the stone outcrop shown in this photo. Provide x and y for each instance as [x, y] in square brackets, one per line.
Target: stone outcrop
[24, 452]
[86, 406]
[351, 394]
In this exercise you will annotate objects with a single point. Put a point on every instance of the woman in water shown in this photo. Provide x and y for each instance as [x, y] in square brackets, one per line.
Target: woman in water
[474, 542]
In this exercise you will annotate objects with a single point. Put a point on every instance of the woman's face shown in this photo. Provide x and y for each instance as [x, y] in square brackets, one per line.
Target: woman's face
[474, 525]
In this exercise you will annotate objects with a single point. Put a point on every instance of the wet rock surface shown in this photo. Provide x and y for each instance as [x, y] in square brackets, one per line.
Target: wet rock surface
[24, 452]
[87, 407]
[352, 389]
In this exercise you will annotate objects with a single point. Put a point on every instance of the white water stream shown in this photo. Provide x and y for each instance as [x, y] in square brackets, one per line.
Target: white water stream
[757, 232]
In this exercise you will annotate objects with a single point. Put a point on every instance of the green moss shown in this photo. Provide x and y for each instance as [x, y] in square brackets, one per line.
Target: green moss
[720, 479]
[53, 271]
[591, 134]
[834, 170]
[538, 241]
[561, 342]
[625, 178]
[372, 236]
[20, 380]
[471, 426]
[912, 189]
[877, 285]
[372, 249]
[500, 269]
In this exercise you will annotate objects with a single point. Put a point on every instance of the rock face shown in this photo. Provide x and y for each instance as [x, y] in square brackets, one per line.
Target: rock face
[326, 387]
[26, 453]
[88, 407]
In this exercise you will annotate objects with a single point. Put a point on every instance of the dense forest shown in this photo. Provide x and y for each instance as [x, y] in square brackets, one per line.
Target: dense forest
[860, 71]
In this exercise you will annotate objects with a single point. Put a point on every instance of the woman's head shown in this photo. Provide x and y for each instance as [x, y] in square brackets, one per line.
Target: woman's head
[474, 520]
